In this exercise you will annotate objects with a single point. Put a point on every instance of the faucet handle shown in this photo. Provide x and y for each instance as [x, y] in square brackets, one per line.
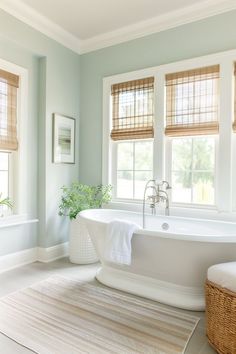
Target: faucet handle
[164, 183]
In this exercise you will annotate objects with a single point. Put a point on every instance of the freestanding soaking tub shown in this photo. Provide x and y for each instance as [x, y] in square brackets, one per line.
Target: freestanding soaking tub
[170, 257]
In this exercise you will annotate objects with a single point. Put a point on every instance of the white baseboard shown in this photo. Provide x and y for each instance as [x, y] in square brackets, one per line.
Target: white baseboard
[50, 254]
[18, 259]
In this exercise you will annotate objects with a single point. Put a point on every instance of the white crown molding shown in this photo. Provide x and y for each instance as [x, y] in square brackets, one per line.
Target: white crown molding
[170, 20]
[39, 22]
[158, 24]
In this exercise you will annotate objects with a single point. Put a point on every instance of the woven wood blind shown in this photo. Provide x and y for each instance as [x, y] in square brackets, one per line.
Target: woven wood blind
[8, 111]
[132, 114]
[192, 102]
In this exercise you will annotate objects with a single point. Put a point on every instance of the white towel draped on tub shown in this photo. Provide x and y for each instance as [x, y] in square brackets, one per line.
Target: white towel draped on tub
[118, 241]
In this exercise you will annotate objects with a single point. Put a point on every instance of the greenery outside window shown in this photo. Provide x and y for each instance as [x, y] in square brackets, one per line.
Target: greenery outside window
[193, 170]
[9, 84]
[134, 168]
[131, 135]
[193, 144]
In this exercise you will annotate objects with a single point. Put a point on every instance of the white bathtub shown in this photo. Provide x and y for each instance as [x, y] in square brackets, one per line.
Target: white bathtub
[167, 266]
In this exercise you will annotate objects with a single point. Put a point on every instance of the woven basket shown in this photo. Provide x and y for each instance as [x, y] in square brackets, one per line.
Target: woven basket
[221, 318]
[81, 249]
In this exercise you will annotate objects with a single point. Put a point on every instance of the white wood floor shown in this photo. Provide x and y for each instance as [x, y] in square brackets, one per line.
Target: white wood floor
[25, 276]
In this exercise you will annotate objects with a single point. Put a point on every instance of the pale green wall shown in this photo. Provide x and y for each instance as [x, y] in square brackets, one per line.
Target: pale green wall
[204, 37]
[64, 82]
[53, 87]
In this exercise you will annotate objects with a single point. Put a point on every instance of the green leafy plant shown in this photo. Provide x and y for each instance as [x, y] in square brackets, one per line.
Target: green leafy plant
[6, 201]
[79, 197]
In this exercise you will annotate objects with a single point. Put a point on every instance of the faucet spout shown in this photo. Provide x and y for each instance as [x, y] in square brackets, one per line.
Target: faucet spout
[165, 198]
[159, 194]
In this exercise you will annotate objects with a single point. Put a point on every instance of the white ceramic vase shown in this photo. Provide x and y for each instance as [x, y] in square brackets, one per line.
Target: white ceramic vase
[81, 249]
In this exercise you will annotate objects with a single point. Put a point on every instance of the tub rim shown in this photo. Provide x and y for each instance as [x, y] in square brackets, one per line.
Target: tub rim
[170, 235]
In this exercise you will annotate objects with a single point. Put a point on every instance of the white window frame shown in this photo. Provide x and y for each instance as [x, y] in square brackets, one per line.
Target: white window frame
[225, 169]
[6, 211]
[114, 169]
[108, 145]
[19, 160]
[169, 173]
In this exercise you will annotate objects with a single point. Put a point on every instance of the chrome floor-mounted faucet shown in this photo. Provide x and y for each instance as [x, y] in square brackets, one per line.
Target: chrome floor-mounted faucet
[159, 194]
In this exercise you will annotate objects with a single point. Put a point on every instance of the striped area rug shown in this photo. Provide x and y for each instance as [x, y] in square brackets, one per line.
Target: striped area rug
[65, 316]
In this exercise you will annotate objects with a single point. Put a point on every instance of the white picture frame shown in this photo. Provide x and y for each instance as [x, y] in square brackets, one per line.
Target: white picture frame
[63, 141]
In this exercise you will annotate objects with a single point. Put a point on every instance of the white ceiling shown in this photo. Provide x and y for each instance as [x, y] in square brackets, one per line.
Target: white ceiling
[89, 18]
[93, 24]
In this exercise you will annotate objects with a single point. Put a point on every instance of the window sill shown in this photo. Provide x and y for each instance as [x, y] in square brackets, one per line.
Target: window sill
[182, 211]
[15, 220]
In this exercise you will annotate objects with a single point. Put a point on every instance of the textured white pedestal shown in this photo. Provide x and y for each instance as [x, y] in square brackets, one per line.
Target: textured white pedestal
[81, 249]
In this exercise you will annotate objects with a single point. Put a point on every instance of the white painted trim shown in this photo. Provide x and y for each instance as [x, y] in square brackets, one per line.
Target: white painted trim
[160, 23]
[16, 220]
[234, 174]
[18, 259]
[50, 254]
[224, 147]
[20, 157]
[178, 211]
[187, 298]
[224, 198]
[159, 121]
[196, 12]
[42, 24]
[12, 218]
[106, 151]
[45, 255]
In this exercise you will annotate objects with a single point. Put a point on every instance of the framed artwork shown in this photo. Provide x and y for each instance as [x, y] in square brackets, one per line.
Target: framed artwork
[63, 139]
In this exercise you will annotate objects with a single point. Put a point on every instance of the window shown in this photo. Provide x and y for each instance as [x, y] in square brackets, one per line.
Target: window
[192, 99]
[4, 179]
[8, 131]
[134, 168]
[191, 143]
[132, 125]
[4, 168]
[192, 109]
[193, 170]
[132, 115]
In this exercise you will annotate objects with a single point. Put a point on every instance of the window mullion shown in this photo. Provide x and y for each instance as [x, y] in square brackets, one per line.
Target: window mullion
[114, 171]
[192, 170]
[159, 120]
[133, 170]
[224, 181]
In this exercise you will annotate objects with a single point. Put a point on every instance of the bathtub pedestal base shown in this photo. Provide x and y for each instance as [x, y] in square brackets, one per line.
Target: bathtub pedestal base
[188, 298]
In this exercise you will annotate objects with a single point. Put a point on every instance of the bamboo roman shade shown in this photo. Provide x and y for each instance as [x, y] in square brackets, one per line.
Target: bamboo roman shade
[8, 111]
[192, 102]
[132, 109]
